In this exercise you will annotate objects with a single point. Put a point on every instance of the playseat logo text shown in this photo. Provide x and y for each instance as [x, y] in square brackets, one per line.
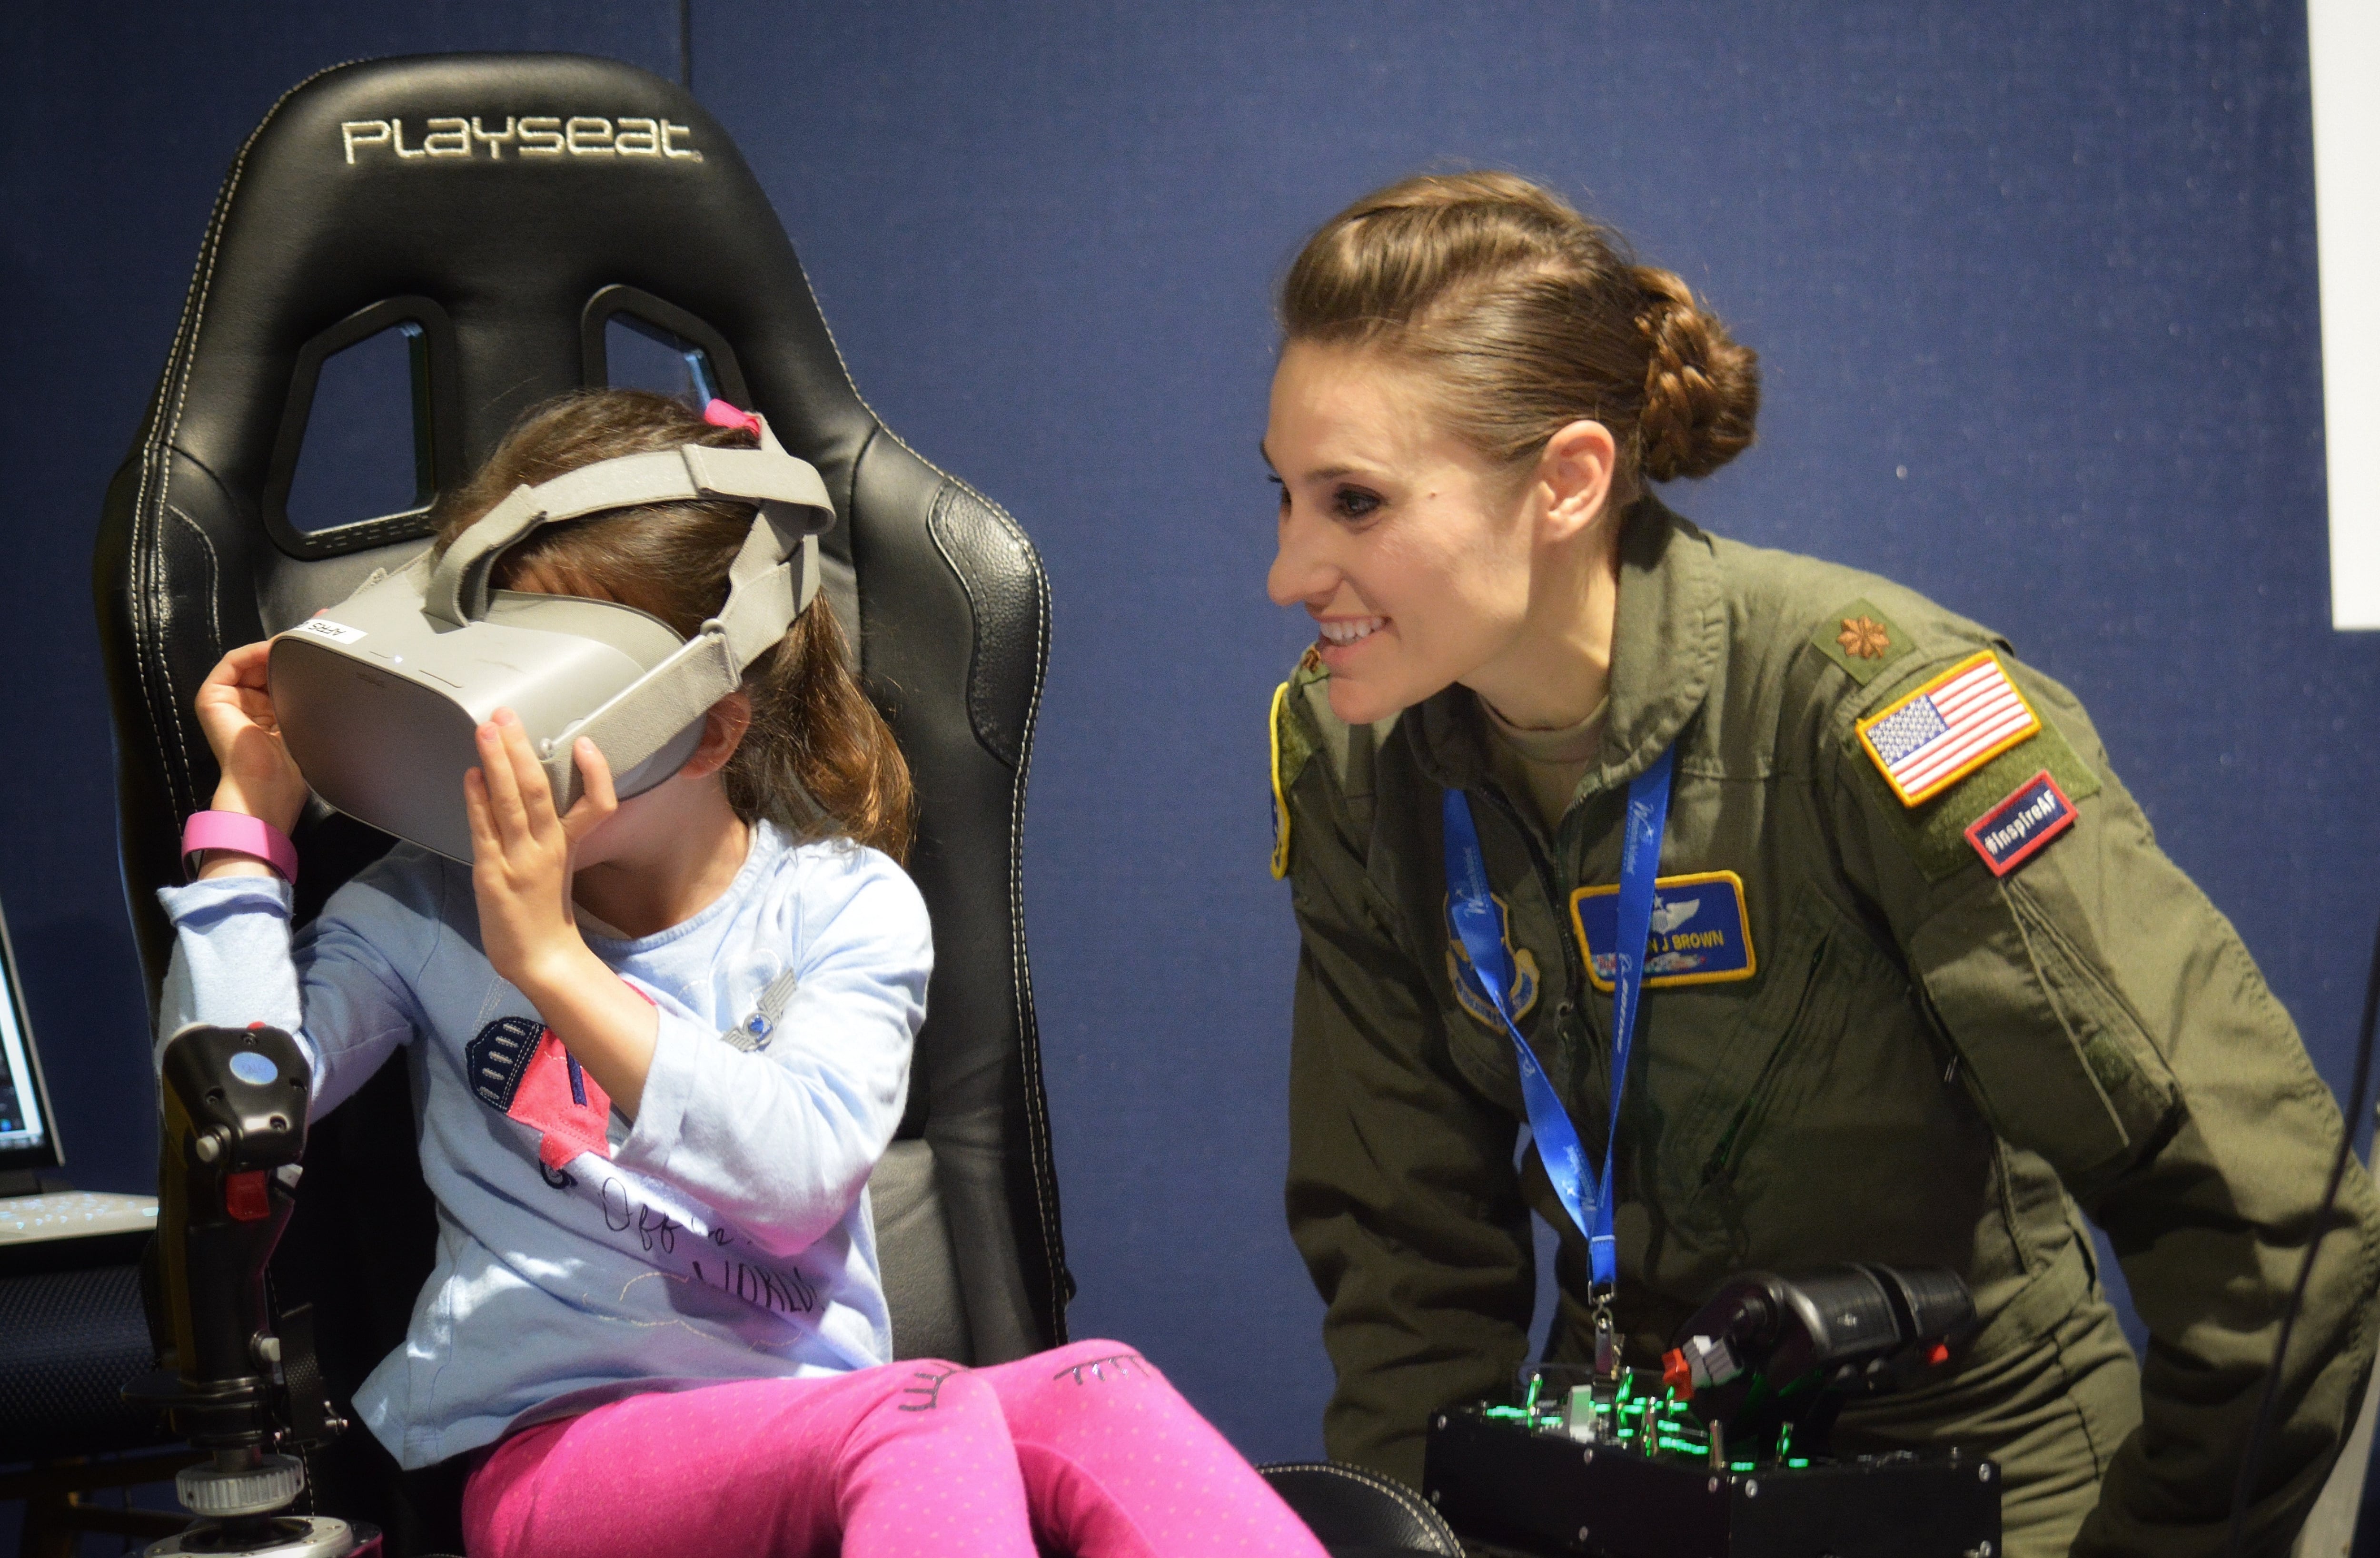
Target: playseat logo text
[539, 135]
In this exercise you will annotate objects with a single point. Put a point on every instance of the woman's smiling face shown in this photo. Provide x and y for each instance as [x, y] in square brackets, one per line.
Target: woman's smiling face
[1411, 550]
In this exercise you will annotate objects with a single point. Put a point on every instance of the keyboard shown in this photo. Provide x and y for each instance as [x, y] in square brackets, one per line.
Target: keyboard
[74, 1214]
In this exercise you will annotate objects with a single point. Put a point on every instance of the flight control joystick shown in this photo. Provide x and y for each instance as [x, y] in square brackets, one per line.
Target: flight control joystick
[232, 1381]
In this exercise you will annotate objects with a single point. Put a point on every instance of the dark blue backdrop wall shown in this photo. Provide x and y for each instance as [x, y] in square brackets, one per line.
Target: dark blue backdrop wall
[2034, 291]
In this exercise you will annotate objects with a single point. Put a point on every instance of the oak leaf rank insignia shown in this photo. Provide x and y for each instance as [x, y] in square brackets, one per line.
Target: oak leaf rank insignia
[1859, 637]
[1864, 639]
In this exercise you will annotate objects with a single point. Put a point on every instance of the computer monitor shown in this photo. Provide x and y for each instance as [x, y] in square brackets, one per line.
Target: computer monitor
[28, 1131]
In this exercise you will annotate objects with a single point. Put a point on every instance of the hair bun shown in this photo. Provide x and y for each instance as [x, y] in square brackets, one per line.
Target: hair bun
[1702, 391]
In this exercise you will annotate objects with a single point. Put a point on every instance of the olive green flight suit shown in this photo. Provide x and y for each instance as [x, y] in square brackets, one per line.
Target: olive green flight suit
[1930, 1066]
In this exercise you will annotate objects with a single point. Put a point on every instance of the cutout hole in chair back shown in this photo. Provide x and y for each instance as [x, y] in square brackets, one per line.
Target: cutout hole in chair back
[369, 433]
[633, 340]
[366, 454]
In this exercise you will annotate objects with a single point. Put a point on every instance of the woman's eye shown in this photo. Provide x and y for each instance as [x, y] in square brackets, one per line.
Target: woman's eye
[1353, 502]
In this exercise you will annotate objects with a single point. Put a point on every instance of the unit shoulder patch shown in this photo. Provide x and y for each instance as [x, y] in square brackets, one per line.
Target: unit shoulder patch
[1470, 991]
[1701, 933]
[1860, 639]
[1289, 751]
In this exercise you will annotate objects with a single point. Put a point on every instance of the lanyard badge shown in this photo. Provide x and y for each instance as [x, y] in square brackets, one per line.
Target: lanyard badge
[1587, 1196]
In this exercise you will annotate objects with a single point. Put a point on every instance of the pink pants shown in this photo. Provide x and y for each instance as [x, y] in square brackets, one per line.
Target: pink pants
[1085, 1449]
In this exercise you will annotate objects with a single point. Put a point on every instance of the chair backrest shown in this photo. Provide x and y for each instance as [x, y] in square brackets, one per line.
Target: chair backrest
[506, 213]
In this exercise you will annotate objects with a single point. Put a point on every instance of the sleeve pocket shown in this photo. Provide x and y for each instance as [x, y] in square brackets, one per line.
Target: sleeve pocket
[2053, 1054]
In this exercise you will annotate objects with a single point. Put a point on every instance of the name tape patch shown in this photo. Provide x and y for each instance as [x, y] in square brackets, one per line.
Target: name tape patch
[1948, 729]
[1701, 933]
[2022, 826]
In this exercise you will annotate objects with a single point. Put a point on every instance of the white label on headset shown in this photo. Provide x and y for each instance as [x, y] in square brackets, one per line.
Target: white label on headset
[323, 627]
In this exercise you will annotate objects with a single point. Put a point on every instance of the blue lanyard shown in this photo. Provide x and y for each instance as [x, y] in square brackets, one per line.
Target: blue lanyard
[1472, 909]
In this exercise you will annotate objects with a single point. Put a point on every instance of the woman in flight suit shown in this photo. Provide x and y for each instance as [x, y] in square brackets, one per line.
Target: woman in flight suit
[1960, 1002]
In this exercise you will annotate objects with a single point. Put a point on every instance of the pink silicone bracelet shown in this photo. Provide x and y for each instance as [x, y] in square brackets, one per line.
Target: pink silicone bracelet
[241, 834]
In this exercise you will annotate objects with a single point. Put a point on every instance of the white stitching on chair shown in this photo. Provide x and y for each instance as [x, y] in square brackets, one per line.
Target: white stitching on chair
[157, 454]
[1403, 1496]
[214, 580]
[1021, 974]
[1020, 962]
[1037, 1101]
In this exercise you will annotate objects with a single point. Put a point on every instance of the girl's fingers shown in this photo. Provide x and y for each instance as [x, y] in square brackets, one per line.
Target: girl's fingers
[504, 805]
[253, 660]
[234, 705]
[596, 770]
[238, 677]
[485, 846]
[529, 776]
[597, 799]
[243, 667]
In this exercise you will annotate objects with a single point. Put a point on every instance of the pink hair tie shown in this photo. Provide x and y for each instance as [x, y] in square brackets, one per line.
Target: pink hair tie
[719, 414]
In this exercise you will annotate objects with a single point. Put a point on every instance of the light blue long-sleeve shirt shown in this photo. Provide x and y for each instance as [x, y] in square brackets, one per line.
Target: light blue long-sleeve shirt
[726, 1236]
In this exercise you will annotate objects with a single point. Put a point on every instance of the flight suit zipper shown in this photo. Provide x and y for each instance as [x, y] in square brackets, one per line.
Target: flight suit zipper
[1725, 1157]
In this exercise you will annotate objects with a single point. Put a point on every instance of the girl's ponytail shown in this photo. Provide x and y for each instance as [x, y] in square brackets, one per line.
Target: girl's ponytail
[816, 739]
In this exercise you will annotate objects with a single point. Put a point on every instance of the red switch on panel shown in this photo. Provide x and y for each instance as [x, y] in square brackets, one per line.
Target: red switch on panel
[244, 1196]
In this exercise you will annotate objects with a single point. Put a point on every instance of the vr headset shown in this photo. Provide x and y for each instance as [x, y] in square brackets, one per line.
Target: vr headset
[379, 697]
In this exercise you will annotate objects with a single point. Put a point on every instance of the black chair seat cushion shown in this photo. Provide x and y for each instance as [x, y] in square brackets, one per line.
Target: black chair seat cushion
[1359, 1513]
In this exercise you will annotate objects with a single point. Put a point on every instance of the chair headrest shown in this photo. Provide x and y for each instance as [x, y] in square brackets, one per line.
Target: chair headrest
[507, 204]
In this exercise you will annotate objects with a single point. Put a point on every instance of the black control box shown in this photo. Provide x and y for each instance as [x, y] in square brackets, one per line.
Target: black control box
[1521, 1481]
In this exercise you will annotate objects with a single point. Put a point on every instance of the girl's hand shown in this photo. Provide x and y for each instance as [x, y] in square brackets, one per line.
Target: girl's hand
[520, 873]
[521, 855]
[236, 711]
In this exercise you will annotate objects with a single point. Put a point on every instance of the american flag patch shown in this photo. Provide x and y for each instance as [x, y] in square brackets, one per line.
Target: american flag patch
[1948, 729]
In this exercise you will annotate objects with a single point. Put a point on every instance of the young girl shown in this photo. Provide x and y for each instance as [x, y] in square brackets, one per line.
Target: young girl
[655, 1320]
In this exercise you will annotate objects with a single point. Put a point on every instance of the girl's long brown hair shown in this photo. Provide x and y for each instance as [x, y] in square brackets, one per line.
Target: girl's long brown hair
[819, 759]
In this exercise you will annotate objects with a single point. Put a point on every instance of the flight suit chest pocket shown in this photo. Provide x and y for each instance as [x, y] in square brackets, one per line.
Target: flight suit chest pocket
[1754, 1071]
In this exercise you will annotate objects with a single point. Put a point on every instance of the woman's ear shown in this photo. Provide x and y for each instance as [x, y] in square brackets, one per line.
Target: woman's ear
[1575, 478]
[723, 732]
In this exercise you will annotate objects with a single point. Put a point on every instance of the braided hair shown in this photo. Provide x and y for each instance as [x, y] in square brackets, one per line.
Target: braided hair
[1526, 317]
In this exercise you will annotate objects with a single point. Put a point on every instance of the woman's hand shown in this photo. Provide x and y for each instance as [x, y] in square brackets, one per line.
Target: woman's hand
[235, 709]
[520, 872]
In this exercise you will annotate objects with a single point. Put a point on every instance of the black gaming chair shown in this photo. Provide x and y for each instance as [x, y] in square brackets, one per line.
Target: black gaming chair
[505, 210]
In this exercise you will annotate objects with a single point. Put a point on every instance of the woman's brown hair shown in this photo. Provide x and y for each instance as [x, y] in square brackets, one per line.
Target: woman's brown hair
[1527, 316]
[816, 744]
